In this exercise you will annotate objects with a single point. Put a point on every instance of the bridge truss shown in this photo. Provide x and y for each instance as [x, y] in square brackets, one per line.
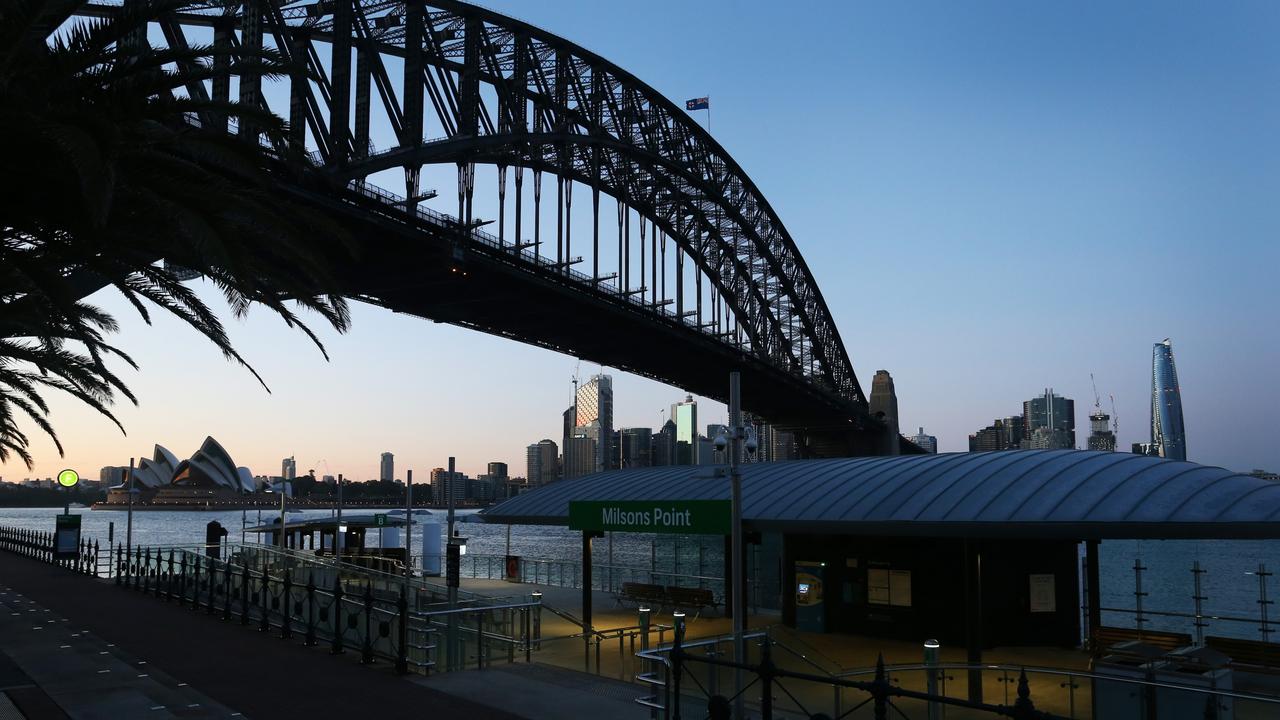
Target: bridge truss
[384, 88]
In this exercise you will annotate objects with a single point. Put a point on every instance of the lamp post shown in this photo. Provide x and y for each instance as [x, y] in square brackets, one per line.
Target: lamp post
[337, 538]
[735, 480]
[408, 528]
[734, 446]
[452, 581]
[284, 545]
[128, 528]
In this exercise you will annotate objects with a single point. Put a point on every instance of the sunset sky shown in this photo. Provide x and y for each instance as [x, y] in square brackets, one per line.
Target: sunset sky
[995, 198]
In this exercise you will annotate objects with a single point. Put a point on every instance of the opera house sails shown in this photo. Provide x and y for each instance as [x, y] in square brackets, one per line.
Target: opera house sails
[208, 477]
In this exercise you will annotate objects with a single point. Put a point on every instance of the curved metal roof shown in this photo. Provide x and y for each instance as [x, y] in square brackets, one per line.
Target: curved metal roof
[1078, 494]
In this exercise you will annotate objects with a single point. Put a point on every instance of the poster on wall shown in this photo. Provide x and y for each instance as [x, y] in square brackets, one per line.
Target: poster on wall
[900, 588]
[878, 586]
[1043, 597]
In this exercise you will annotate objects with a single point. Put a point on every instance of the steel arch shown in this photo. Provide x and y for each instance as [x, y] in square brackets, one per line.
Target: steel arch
[509, 94]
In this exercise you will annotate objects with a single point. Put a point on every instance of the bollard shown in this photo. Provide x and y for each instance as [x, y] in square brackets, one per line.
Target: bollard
[537, 619]
[766, 679]
[645, 614]
[677, 666]
[931, 652]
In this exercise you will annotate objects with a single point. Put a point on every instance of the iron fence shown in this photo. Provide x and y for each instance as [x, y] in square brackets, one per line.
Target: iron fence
[699, 679]
[383, 618]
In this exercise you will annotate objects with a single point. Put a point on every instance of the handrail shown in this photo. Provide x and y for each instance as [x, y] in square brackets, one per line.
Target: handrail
[1065, 672]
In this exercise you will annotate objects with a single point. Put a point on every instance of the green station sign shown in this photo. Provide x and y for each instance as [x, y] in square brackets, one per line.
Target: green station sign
[380, 520]
[685, 517]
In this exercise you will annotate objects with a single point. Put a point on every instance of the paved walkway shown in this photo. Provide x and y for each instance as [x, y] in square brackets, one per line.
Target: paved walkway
[195, 665]
[542, 692]
[51, 668]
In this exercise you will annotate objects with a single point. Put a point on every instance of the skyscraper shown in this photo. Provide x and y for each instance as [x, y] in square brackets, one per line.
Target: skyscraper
[444, 485]
[664, 445]
[288, 468]
[1168, 434]
[884, 404]
[542, 463]
[579, 456]
[387, 468]
[595, 411]
[1002, 434]
[569, 425]
[927, 443]
[1049, 421]
[685, 416]
[1100, 435]
[637, 448]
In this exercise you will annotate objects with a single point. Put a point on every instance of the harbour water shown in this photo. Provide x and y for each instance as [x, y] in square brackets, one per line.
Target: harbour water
[1229, 584]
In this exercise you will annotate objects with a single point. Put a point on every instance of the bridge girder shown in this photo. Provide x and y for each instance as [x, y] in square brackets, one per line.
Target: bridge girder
[479, 87]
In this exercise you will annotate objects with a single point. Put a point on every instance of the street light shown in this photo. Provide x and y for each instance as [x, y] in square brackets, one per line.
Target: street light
[734, 443]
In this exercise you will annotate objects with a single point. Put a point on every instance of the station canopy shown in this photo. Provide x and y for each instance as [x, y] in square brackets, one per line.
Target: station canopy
[1077, 494]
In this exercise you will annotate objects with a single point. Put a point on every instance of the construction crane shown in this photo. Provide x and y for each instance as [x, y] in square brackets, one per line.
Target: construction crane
[1115, 419]
[1097, 402]
[577, 371]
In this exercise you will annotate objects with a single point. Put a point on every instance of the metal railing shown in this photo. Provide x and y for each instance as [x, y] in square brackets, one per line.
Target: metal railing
[568, 573]
[40, 546]
[384, 617]
[697, 679]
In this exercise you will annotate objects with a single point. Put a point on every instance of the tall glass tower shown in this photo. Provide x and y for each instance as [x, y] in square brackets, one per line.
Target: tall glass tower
[595, 412]
[1168, 434]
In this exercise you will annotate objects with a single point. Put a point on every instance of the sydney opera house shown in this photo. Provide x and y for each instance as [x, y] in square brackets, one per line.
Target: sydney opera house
[208, 477]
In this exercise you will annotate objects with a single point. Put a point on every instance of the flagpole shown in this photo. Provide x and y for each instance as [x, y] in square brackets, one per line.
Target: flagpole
[708, 114]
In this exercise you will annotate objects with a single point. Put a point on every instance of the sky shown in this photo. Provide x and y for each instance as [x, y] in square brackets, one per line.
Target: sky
[994, 198]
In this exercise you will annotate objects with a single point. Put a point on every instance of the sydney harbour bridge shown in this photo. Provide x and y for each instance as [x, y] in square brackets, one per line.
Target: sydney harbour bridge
[671, 264]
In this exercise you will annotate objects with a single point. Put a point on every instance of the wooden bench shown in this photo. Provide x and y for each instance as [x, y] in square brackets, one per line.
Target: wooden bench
[693, 598]
[1248, 655]
[1167, 641]
[643, 594]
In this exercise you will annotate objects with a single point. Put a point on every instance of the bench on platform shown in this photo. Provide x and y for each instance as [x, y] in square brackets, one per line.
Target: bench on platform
[1248, 655]
[643, 594]
[692, 598]
[1167, 641]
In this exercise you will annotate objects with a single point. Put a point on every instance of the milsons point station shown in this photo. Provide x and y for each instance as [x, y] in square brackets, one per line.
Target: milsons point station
[976, 550]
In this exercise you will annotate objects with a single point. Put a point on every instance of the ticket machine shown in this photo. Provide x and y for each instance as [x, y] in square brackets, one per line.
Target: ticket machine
[811, 613]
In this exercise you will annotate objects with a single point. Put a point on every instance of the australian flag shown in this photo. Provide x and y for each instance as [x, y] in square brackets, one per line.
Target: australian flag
[702, 103]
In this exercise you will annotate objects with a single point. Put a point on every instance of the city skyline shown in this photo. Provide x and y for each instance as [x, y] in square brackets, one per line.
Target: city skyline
[1048, 140]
